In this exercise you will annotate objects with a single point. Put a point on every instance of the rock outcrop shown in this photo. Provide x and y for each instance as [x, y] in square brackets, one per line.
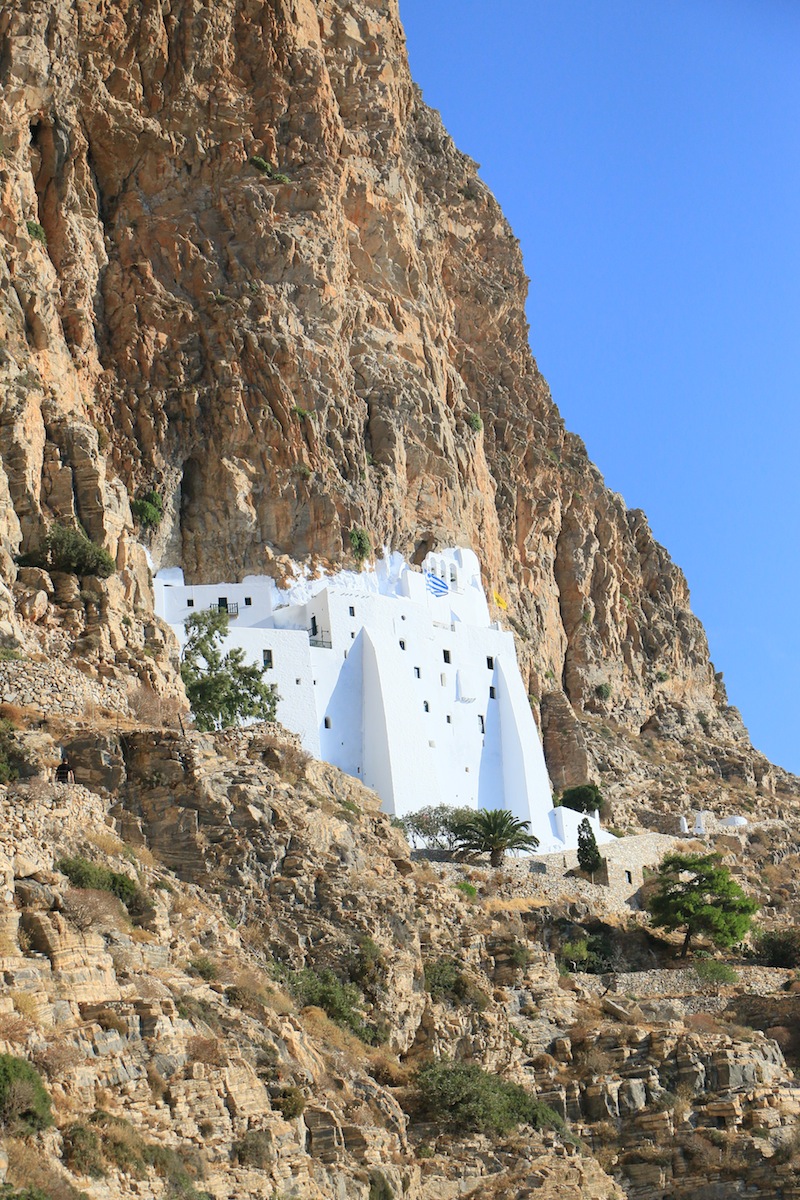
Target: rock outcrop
[244, 264]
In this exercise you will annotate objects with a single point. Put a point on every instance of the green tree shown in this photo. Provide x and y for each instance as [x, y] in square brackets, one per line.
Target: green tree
[222, 690]
[589, 859]
[360, 544]
[695, 892]
[437, 826]
[584, 798]
[494, 831]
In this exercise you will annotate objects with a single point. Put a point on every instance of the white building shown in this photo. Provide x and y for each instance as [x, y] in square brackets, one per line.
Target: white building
[399, 677]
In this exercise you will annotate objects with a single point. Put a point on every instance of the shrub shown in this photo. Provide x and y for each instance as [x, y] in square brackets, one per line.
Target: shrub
[465, 1097]
[290, 1103]
[367, 966]
[148, 510]
[205, 967]
[24, 1102]
[69, 549]
[36, 232]
[519, 955]
[81, 1151]
[360, 544]
[710, 970]
[779, 947]
[254, 1149]
[338, 1000]
[445, 980]
[467, 889]
[603, 691]
[475, 421]
[10, 755]
[84, 874]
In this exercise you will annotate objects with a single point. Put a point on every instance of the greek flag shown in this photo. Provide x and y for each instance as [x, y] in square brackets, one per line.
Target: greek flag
[435, 585]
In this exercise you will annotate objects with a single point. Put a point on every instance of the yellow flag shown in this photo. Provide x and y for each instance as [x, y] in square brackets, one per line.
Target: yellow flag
[499, 601]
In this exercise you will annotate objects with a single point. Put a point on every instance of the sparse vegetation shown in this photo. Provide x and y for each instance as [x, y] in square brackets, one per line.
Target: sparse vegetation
[467, 889]
[69, 549]
[148, 510]
[475, 421]
[24, 1101]
[36, 232]
[84, 874]
[437, 826]
[360, 544]
[445, 980]
[464, 1097]
[779, 947]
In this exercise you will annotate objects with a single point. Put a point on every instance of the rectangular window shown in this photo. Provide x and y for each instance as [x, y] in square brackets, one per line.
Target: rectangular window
[352, 635]
[248, 601]
[417, 673]
[628, 877]
[482, 723]
[425, 706]
[266, 658]
[492, 693]
[190, 603]
[443, 678]
[222, 604]
[490, 663]
[449, 719]
[298, 682]
[402, 644]
[327, 722]
[446, 654]
[352, 611]
[313, 627]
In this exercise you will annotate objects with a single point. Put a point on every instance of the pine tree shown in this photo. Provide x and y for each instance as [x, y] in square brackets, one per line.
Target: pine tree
[696, 893]
[589, 858]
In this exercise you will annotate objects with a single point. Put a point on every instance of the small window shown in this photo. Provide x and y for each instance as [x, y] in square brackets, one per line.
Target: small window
[248, 601]
[417, 673]
[345, 654]
[298, 682]
[490, 663]
[425, 706]
[446, 655]
[492, 693]
[402, 644]
[266, 658]
[352, 611]
[327, 722]
[482, 723]
[449, 719]
[190, 603]
[313, 627]
[628, 877]
[443, 679]
[352, 635]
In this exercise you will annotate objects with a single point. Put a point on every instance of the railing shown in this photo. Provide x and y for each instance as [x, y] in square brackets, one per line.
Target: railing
[320, 639]
[231, 608]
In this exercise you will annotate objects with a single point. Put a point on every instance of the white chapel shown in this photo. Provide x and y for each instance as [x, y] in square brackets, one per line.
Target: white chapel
[399, 677]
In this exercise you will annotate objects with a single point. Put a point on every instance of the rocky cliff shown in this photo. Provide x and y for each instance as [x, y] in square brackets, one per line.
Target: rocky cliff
[244, 264]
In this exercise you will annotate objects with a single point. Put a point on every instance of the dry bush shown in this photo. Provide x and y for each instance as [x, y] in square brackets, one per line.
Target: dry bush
[388, 1071]
[57, 1058]
[92, 909]
[594, 1061]
[109, 1019]
[156, 1081]
[14, 1028]
[145, 705]
[28, 1170]
[504, 904]
[26, 1004]
[332, 1036]
[105, 840]
[703, 1023]
[206, 1050]
[544, 1062]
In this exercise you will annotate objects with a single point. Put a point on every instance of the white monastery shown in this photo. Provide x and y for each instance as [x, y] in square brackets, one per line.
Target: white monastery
[399, 677]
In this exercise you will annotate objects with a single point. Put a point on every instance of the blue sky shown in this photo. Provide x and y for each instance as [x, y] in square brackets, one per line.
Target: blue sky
[647, 155]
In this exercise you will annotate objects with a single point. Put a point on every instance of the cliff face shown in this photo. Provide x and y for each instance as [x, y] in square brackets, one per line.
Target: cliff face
[286, 359]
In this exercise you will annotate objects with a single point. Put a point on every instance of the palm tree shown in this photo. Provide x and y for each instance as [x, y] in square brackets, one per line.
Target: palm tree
[495, 831]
